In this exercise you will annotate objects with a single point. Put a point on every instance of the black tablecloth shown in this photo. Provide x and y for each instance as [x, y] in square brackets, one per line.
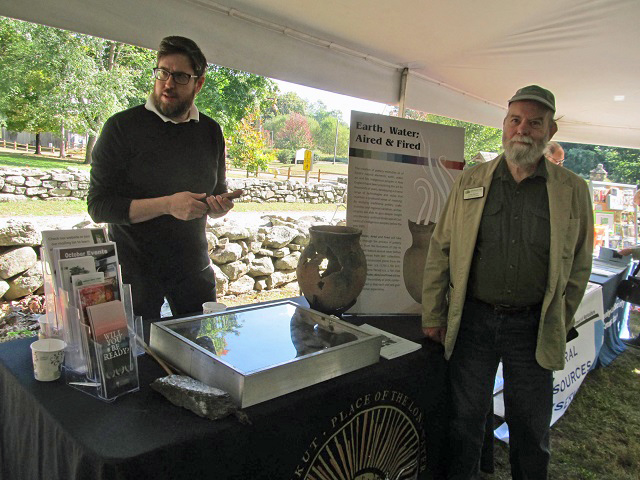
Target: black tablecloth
[393, 411]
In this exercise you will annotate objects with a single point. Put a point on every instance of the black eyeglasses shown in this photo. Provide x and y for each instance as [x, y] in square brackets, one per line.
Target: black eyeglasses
[178, 77]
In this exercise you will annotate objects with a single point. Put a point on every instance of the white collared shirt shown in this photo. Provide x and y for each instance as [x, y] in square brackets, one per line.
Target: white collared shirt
[194, 114]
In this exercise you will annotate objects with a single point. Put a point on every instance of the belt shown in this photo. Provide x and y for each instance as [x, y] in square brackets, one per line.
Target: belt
[506, 309]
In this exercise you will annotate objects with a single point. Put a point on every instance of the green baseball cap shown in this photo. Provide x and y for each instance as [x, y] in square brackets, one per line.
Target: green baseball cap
[536, 93]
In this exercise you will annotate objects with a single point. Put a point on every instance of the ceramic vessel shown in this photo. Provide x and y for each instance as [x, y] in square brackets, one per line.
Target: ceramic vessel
[415, 257]
[332, 269]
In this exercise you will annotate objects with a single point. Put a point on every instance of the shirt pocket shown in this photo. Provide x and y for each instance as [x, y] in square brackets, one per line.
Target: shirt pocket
[537, 230]
[490, 230]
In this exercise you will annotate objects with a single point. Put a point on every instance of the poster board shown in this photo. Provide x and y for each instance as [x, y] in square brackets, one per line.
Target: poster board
[400, 175]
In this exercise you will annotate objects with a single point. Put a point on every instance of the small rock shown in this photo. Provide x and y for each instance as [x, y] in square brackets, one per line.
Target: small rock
[203, 400]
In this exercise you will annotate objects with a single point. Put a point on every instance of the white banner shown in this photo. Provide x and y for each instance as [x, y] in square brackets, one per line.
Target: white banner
[400, 175]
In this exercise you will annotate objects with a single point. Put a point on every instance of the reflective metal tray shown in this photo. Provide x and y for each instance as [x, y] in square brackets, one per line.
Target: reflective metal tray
[260, 352]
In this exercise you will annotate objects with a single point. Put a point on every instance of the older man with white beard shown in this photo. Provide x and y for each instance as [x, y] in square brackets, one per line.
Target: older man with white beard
[507, 267]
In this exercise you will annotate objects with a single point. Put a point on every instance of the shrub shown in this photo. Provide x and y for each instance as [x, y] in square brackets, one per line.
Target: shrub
[285, 155]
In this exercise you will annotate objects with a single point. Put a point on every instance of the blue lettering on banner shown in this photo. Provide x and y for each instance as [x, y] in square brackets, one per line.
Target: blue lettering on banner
[571, 377]
[564, 404]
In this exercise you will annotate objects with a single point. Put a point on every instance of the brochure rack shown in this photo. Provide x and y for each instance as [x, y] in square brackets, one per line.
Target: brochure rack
[101, 354]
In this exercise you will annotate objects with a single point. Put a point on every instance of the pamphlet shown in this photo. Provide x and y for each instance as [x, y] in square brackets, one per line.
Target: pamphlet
[85, 279]
[393, 346]
[57, 305]
[74, 266]
[66, 238]
[88, 296]
[103, 255]
[114, 358]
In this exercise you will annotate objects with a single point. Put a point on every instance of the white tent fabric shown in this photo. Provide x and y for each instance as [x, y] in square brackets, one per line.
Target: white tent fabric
[465, 58]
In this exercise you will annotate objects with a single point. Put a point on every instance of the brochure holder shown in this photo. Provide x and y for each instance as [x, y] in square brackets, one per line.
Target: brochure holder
[103, 369]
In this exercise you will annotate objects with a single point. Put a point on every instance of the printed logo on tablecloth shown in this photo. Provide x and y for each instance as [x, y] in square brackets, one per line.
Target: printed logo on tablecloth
[379, 436]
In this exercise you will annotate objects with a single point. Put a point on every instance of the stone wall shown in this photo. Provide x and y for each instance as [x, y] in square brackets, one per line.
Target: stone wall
[245, 258]
[33, 183]
[289, 191]
[73, 184]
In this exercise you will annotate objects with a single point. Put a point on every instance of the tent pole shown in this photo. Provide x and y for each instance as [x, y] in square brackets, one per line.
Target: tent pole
[403, 91]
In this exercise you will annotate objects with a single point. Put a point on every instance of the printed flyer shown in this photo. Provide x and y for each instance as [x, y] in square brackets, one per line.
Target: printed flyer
[400, 175]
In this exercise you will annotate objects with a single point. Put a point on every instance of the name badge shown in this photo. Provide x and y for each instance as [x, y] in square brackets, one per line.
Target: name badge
[473, 193]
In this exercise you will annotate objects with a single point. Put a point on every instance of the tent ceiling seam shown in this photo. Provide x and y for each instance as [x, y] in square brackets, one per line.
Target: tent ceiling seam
[319, 42]
[293, 33]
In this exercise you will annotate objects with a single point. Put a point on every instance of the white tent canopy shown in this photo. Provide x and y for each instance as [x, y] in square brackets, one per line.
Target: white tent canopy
[465, 58]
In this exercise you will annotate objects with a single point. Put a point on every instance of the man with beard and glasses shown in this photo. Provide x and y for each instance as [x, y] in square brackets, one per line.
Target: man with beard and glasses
[507, 266]
[158, 171]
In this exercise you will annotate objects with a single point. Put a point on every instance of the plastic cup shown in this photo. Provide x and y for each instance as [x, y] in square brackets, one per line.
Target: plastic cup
[47, 355]
[47, 328]
[213, 307]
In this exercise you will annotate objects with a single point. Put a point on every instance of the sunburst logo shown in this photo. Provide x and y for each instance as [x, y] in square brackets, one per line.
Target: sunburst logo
[376, 442]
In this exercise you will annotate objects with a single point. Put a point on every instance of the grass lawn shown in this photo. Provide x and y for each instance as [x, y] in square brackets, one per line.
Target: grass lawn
[10, 158]
[47, 161]
[327, 167]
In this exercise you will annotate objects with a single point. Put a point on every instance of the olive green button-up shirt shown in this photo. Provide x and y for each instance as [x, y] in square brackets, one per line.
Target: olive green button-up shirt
[511, 258]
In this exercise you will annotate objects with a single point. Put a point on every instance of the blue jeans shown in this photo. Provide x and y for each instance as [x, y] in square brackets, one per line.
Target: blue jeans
[485, 338]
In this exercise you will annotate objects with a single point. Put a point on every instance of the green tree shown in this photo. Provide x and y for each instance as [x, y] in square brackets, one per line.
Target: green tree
[248, 147]
[291, 102]
[75, 81]
[580, 159]
[275, 124]
[103, 82]
[228, 94]
[622, 164]
[325, 138]
[319, 111]
[24, 99]
[477, 138]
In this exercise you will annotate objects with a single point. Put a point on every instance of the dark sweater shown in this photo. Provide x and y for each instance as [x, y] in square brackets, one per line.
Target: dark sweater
[140, 156]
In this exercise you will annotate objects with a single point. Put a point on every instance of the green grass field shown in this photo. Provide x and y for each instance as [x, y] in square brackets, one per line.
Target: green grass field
[9, 158]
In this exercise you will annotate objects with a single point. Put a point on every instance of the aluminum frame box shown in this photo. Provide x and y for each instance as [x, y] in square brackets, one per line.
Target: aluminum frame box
[260, 352]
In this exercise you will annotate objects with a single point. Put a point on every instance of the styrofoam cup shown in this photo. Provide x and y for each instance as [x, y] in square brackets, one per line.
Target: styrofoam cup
[47, 355]
[213, 307]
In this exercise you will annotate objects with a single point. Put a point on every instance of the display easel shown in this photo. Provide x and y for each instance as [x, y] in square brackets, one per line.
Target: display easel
[84, 357]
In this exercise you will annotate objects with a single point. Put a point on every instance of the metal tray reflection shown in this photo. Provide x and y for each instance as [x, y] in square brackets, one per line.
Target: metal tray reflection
[260, 352]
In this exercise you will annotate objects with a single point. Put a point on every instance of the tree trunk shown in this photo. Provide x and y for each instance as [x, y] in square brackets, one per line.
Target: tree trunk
[38, 146]
[63, 151]
[90, 144]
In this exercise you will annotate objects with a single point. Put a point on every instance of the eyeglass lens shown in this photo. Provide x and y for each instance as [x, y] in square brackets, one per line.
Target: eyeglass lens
[179, 77]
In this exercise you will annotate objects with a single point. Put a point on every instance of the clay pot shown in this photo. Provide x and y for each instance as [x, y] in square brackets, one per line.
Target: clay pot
[415, 257]
[334, 290]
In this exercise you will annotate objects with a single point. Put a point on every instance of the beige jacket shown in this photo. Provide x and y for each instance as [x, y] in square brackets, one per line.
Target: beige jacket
[570, 257]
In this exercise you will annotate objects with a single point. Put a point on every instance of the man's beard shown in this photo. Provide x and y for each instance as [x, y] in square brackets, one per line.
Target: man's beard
[524, 155]
[176, 110]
